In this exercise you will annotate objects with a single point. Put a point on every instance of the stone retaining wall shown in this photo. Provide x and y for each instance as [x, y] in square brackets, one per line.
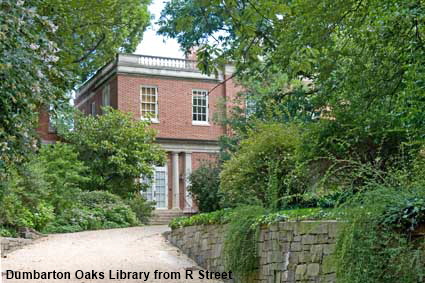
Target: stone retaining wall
[290, 252]
[9, 245]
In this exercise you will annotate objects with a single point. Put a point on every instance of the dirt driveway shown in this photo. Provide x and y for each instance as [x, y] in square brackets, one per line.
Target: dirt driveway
[139, 249]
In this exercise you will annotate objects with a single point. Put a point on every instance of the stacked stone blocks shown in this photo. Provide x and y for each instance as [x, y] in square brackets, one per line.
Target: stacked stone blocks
[9, 245]
[289, 252]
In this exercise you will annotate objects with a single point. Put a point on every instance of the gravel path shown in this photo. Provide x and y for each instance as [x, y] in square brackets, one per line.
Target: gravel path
[139, 249]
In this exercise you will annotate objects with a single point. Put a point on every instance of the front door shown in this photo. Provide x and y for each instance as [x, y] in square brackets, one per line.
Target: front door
[157, 191]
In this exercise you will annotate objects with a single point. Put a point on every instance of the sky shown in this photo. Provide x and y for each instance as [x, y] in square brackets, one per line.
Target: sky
[156, 45]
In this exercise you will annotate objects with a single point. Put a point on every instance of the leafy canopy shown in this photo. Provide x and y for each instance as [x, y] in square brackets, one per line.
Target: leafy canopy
[365, 58]
[351, 71]
[47, 48]
[28, 73]
[90, 33]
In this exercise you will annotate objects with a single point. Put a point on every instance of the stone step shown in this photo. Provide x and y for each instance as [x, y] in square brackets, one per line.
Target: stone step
[164, 217]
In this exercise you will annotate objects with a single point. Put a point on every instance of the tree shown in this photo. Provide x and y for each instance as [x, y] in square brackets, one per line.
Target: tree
[364, 60]
[90, 33]
[117, 149]
[28, 73]
[47, 48]
[205, 184]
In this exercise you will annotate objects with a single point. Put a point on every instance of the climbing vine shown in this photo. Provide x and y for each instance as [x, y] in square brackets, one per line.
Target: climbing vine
[240, 245]
[377, 245]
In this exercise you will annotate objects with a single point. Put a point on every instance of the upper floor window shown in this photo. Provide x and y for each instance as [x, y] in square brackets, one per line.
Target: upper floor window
[199, 106]
[51, 127]
[93, 108]
[149, 102]
[250, 106]
[106, 95]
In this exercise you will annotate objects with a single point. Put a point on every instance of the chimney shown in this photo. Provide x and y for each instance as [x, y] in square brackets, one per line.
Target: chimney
[191, 54]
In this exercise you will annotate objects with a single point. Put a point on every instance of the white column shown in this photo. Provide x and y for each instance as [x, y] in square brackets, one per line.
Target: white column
[176, 200]
[188, 171]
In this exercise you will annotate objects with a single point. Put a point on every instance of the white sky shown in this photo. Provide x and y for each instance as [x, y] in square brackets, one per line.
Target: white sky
[156, 45]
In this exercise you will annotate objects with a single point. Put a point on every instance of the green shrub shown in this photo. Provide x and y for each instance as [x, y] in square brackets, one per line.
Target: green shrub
[8, 232]
[217, 217]
[23, 203]
[94, 210]
[205, 184]
[141, 207]
[258, 173]
[64, 173]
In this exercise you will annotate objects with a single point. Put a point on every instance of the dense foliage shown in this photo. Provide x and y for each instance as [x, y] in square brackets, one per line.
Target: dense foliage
[63, 172]
[90, 33]
[47, 48]
[64, 186]
[350, 75]
[204, 187]
[93, 210]
[259, 172]
[351, 71]
[377, 244]
[116, 149]
[28, 77]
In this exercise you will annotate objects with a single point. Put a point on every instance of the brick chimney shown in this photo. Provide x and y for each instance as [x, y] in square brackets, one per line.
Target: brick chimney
[191, 54]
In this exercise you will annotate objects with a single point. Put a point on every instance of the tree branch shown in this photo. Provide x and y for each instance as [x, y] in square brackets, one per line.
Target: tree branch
[91, 50]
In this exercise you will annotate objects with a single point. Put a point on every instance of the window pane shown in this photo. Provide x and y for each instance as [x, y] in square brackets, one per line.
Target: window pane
[148, 102]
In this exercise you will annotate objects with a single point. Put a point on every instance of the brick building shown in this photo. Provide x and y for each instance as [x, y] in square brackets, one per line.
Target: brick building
[179, 101]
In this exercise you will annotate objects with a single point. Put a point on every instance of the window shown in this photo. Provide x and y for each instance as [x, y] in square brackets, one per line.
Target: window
[106, 96]
[250, 106]
[149, 102]
[93, 108]
[199, 106]
[51, 127]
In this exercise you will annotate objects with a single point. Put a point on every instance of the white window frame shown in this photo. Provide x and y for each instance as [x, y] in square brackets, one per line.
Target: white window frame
[106, 95]
[93, 108]
[50, 128]
[250, 106]
[154, 119]
[195, 94]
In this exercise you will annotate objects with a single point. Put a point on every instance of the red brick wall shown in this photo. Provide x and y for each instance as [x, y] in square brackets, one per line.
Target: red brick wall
[200, 157]
[43, 127]
[174, 105]
[97, 97]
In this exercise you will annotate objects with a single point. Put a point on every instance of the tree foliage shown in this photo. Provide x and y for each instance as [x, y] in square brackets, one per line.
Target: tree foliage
[47, 48]
[364, 58]
[259, 171]
[117, 150]
[90, 33]
[204, 187]
[352, 72]
[28, 76]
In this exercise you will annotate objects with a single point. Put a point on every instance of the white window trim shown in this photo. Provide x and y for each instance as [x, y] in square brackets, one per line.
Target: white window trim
[202, 123]
[106, 92]
[154, 120]
[93, 108]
